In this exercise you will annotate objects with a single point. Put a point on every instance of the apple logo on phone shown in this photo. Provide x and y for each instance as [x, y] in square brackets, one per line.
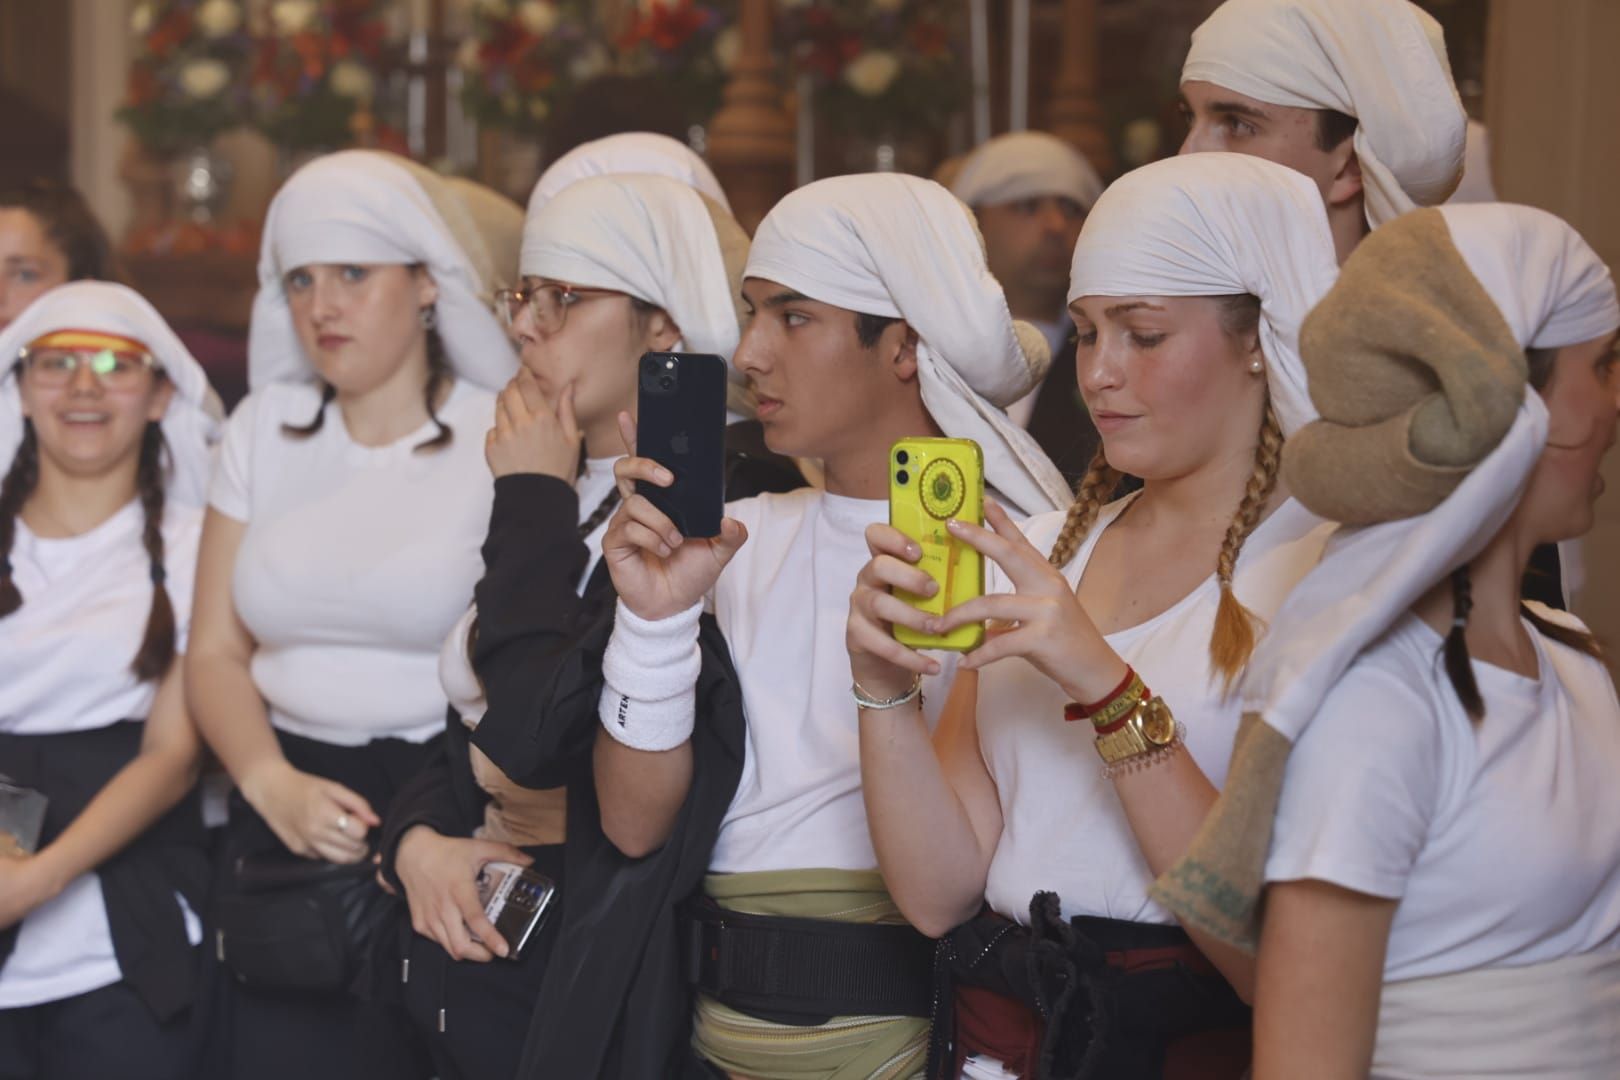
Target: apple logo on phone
[680, 444]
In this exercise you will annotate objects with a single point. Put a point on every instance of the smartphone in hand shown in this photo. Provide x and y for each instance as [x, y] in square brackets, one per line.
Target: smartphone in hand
[930, 482]
[516, 901]
[681, 424]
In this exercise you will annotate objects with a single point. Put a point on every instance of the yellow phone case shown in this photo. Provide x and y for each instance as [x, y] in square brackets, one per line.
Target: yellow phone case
[931, 481]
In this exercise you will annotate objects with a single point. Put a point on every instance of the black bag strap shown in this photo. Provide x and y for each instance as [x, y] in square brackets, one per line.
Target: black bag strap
[807, 969]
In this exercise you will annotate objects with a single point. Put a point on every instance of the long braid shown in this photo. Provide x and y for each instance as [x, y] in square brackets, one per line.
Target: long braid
[1096, 489]
[19, 483]
[438, 375]
[1232, 640]
[1459, 665]
[156, 653]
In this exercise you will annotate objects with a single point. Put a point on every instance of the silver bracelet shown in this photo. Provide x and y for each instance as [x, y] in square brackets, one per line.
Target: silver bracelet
[867, 701]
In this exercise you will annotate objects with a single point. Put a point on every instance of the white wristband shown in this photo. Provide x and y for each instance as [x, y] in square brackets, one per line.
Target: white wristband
[650, 672]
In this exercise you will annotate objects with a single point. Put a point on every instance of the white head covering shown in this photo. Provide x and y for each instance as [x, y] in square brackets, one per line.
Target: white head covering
[648, 236]
[1477, 184]
[1380, 61]
[630, 152]
[362, 206]
[905, 248]
[1026, 165]
[192, 422]
[1212, 225]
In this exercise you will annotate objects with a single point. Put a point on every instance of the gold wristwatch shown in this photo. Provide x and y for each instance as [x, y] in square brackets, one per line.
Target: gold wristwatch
[1148, 727]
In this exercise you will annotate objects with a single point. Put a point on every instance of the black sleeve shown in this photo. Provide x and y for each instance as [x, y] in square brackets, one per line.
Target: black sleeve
[428, 798]
[528, 619]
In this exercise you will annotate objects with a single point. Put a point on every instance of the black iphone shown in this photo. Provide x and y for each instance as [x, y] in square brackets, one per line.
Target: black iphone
[681, 424]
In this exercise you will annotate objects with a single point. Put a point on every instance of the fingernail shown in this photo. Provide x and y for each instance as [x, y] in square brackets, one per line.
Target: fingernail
[933, 587]
[663, 550]
[675, 540]
[914, 551]
[933, 667]
[666, 476]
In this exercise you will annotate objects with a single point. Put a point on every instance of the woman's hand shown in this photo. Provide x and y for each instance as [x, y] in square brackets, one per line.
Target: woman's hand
[531, 435]
[1042, 621]
[314, 817]
[657, 571]
[25, 884]
[440, 875]
[881, 665]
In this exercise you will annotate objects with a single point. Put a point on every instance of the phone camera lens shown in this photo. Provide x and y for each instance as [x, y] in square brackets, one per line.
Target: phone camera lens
[902, 477]
[667, 382]
[902, 457]
[670, 364]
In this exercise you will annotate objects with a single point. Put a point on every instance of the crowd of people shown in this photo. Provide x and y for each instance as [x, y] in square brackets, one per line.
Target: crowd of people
[1265, 766]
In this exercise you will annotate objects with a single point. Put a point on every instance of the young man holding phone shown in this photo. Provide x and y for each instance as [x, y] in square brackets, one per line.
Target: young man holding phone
[873, 318]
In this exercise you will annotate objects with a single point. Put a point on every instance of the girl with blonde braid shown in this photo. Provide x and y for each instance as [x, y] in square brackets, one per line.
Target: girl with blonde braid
[1059, 787]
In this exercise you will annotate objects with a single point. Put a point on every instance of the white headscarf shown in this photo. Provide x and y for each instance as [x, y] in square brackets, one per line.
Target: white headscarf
[362, 206]
[192, 422]
[1211, 225]
[1552, 290]
[1026, 165]
[630, 152]
[1380, 61]
[905, 248]
[648, 236]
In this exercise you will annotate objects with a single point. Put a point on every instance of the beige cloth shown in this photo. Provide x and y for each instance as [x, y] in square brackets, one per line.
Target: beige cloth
[515, 814]
[845, 1047]
[1554, 1021]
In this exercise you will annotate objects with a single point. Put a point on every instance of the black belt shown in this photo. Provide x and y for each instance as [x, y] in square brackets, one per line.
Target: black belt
[805, 971]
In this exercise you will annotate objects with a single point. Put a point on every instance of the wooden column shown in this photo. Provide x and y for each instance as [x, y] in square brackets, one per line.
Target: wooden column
[751, 137]
[1076, 115]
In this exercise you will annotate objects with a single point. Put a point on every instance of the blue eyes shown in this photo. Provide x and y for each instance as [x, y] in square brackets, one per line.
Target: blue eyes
[301, 279]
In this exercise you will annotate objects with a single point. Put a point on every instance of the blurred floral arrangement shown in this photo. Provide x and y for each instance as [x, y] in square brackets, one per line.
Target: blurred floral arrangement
[878, 67]
[313, 68]
[524, 58]
[690, 45]
[186, 79]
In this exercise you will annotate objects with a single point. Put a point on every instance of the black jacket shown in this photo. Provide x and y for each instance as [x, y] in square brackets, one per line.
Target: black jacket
[614, 1002]
[1060, 422]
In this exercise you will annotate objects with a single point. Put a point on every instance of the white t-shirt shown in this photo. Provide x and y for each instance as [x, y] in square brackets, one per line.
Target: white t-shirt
[1063, 829]
[1501, 841]
[455, 667]
[783, 603]
[64, 667]
[357, 560]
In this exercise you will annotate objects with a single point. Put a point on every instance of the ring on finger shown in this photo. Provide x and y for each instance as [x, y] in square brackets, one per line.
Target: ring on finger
[343, 824]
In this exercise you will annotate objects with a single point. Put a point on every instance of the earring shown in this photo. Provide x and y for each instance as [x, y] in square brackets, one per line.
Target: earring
[429, 316]
[1256, 367]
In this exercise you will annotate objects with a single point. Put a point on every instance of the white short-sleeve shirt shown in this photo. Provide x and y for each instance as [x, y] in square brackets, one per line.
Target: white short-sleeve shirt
[357, 560]
[1063, 829]
[1501, 840]
[65, 658]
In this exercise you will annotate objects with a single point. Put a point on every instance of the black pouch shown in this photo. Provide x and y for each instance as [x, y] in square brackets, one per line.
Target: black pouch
[282, 922]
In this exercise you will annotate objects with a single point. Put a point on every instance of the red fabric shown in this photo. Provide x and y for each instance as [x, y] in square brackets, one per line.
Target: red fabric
[997, 1027]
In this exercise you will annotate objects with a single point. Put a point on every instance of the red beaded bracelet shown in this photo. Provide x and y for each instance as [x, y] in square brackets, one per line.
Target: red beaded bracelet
[1075, 711]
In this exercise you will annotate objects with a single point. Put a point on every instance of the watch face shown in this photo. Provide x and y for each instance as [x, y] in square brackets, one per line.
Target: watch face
[1158, 726]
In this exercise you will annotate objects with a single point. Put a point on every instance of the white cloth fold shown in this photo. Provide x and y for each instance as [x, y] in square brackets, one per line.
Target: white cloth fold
[1217, 224]
[1381, 61]
[1552, 290]
[903, 247]
[193, 421]
[630, 152]
[648, 236]
[1026, 165]
[362, 206]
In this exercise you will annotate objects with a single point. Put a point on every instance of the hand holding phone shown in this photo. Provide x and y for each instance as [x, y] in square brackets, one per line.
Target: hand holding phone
[932, 481]
[516, 900]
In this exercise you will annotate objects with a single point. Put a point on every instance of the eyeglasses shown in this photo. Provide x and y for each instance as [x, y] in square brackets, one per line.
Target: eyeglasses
[115, 369]
[548, 304]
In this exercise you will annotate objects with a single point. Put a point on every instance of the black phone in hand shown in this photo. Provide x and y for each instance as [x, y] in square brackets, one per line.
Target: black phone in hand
[681, 424]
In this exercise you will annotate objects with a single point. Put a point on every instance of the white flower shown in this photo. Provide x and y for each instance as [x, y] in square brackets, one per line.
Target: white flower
[726, 47]
[591, 62]
[204, 78]
[888, 7]
[140, 20]
[1140, 141]
[538, 17]
[467, 58]
[293, 16]
[350, 80]
[217, 18]
[872, 73]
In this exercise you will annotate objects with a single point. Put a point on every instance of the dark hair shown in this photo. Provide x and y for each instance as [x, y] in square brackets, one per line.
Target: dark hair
[70, 225]
[156, 653]
[1459, 665]
[1333, 127]
[438, 374]
[868, 328]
